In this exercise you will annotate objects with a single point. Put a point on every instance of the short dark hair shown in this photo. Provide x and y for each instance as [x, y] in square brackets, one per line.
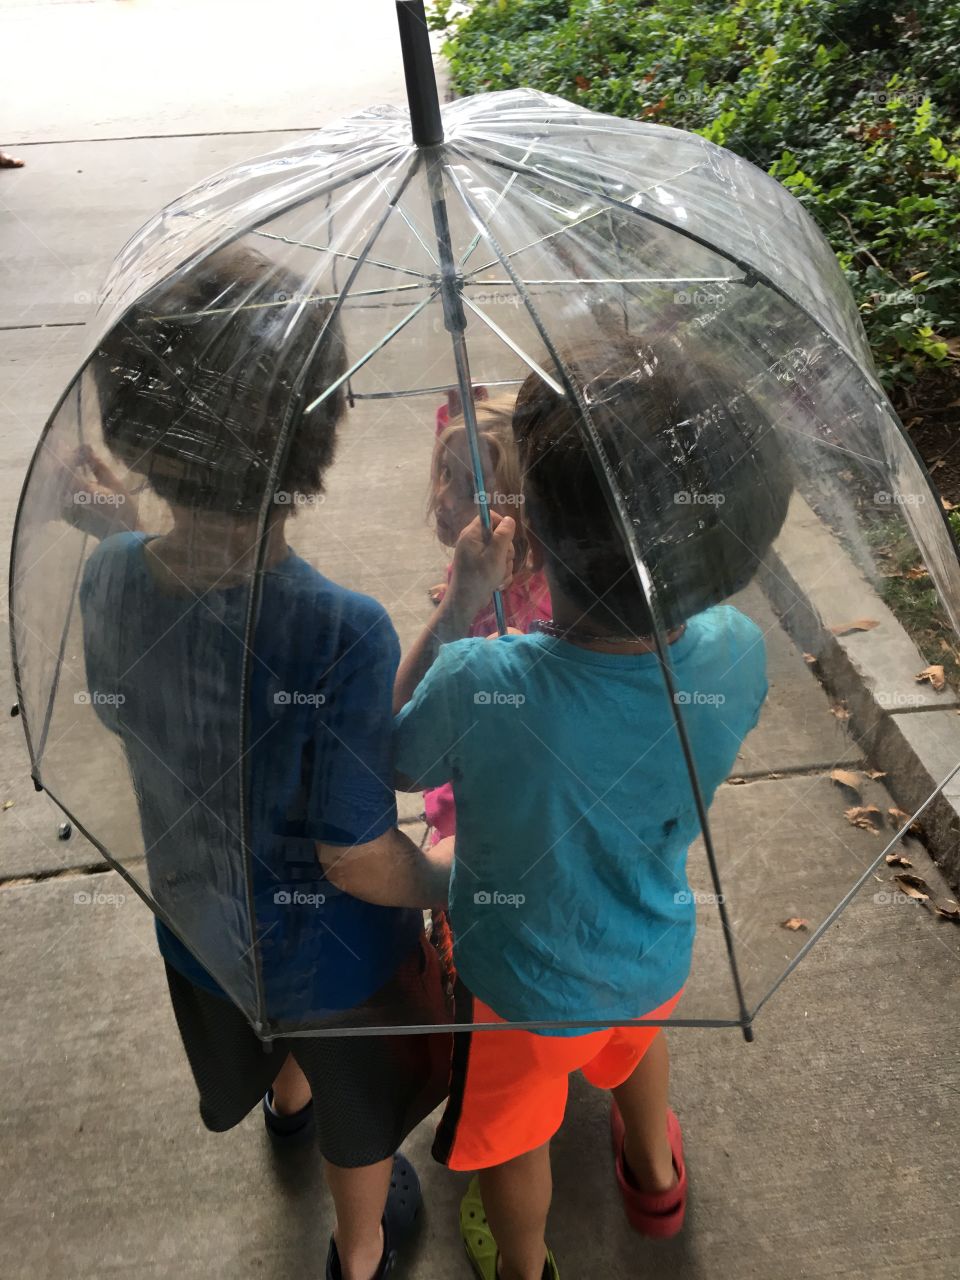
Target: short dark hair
[197, 379]
[700, 466]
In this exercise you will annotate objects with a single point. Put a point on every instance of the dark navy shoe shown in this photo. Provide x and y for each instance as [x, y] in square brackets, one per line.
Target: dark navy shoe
[288, 1130]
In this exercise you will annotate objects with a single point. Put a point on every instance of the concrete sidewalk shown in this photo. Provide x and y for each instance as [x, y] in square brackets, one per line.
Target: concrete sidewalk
[829, 1148]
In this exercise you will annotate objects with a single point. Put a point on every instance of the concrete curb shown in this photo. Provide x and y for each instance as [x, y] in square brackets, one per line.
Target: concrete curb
[909, 731]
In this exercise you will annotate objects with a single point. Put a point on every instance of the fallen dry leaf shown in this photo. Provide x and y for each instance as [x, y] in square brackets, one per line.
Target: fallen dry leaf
[897, 860]
[735, 782]
[947, 908]
[840, 712]
[913, 886]
[917, 572]
[948, 506]
[874, 773]
[845, 778]
[898, 817]
[794, 924]
[935, 675]
[867, 817]
[809, 659]
[861, 624]
[8, 804]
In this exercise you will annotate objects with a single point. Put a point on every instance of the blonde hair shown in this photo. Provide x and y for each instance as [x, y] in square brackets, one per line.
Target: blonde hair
[495, 432]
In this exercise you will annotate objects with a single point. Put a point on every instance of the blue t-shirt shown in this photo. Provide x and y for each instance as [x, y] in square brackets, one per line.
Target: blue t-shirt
[308, 744]
[569, 899]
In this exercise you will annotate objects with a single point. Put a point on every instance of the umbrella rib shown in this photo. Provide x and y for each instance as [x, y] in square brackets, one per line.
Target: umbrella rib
[483, 284]
[364, 359]
[514, 347]
[427, 391]
[339, 253]
[550, 235]
[410, 223]
[286, 302]
[499, 201]
[649, 595]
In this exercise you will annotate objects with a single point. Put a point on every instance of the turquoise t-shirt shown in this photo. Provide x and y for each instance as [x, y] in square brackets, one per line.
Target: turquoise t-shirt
[569, 897]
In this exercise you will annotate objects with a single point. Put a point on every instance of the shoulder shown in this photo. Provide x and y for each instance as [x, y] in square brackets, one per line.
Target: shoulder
[725, 625]
[358, 621]
[729, 642]
[118, 546]
[479, 655]
[111, 557]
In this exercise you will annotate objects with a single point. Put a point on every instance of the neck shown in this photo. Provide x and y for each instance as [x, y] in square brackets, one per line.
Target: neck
[210, 547]
[601, 636]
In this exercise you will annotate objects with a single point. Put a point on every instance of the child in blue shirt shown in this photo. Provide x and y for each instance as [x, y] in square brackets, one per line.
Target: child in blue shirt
[569, 899]
[258, 743]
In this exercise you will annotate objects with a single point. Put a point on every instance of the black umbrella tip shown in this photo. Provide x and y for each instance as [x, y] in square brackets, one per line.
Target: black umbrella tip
[421, 78]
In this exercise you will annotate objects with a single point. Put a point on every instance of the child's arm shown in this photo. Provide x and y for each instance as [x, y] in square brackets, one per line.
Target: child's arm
[480, 566]
[391, 871]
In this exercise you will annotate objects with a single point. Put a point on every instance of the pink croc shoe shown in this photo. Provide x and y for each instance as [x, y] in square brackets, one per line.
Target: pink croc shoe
[658, 1215]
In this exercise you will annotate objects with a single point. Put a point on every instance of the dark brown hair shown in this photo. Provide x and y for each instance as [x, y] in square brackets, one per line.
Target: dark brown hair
[196, 381]
[700, 468]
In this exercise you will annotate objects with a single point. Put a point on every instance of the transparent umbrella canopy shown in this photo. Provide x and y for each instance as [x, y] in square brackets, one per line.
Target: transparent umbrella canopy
[313, 342]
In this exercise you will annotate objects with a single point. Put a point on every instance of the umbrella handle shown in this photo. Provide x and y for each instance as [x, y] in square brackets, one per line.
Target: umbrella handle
[418, 70]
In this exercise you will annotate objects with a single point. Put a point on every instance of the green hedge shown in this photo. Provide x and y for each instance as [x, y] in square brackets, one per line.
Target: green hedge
[853, 105]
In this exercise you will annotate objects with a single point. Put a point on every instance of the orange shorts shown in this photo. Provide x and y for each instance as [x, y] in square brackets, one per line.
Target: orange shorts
[508, 1089]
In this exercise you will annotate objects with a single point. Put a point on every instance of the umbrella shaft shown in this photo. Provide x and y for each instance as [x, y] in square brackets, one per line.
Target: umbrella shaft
[455, 322]
[419, 74]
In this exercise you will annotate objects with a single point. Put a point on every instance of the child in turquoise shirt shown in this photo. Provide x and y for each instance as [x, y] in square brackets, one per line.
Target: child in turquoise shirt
[569, 899]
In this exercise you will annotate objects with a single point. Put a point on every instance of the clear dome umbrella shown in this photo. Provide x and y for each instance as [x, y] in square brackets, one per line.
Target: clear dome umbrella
[316, 330]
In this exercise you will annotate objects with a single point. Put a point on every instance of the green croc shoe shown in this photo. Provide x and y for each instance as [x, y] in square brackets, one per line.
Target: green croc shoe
[479, 1242]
